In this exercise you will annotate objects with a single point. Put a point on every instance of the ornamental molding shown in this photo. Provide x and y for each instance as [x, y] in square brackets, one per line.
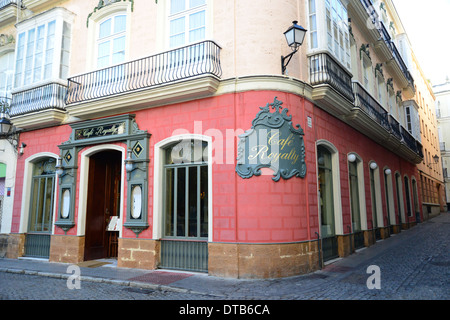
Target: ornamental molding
[104, 3]
[6, 39]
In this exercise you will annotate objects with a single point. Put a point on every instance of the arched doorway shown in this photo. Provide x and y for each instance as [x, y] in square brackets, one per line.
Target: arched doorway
[103, 204]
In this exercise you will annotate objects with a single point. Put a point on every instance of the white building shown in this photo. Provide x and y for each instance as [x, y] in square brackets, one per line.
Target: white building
[442, 93]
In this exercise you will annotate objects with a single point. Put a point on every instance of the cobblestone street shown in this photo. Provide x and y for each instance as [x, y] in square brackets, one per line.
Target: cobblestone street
[413, 265]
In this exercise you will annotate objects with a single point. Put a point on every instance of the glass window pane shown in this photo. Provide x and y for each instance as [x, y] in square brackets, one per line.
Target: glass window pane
[48, 209]
[118, 50]
[103, 54]
[29, 56]
[354, 197]
[197, 26]
[373, 198]
[120, 24]
[204, 201]
[119, 44]
[181, 202]
[105, 29]
[34, 205]
[169, 204]
[177, 26]
[196, 3]
[197, 20]
[177, 29]
[193, 210]
[325, 192]
[177, 6]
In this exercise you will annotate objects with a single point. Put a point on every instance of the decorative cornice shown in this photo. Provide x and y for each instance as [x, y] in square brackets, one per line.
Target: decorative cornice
[103, 3]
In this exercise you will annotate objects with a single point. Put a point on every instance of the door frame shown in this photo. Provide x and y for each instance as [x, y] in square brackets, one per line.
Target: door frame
[84, 179]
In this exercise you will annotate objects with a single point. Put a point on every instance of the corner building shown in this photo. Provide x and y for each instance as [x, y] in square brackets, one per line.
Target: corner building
[138, 119]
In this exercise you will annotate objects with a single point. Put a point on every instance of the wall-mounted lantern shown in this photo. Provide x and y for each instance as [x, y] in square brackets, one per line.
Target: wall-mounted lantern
[294, 38]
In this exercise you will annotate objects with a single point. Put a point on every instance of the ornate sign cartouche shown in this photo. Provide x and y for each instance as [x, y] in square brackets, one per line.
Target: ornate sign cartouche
[273, 143]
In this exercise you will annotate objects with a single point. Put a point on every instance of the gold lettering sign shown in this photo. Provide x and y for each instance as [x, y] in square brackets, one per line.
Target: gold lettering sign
[100, 131]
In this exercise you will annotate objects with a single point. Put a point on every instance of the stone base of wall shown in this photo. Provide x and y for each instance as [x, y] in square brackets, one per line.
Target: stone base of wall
[397, 228]
[138, 253]
[369, 238]
[246, 261]
[66, 249]
[344, 245]
[385, 233]
[12, 246]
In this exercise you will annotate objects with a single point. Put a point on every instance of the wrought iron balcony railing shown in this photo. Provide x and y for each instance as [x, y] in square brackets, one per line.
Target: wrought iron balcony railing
[368, 5]
[323, 69]
[198, 59]
[409, 140]
[395, 127]
[400, 62]
[366, 102]
[47, 96]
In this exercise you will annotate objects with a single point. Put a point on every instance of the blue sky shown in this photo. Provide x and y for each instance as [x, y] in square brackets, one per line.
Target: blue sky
[427, 24]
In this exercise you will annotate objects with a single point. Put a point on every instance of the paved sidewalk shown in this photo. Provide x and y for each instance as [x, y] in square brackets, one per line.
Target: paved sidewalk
[414, 264]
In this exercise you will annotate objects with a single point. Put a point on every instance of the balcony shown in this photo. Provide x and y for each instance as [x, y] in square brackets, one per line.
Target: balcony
[389, 51]
[368, 116]
[8, 12]
[371, 119]
[395, 127]
[190, 72]
[39, 106]
[332, 84]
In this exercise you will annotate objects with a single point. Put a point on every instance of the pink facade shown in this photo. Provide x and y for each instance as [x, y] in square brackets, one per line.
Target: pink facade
[255, 210]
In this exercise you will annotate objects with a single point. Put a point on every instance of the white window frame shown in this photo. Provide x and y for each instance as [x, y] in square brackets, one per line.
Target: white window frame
[340, 35]
[111, 10]
[59, 16]
[8, 73]
[110, 38]
[168, 17]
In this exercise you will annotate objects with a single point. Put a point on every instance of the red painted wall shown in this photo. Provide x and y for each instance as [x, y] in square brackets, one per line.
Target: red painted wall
[256, 210]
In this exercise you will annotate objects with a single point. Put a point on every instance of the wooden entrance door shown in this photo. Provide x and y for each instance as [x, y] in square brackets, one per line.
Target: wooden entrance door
[102, 203]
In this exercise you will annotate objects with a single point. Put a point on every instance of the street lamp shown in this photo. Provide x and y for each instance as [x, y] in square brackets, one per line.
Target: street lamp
[436, 158]
[294, 38]
[7, 130]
